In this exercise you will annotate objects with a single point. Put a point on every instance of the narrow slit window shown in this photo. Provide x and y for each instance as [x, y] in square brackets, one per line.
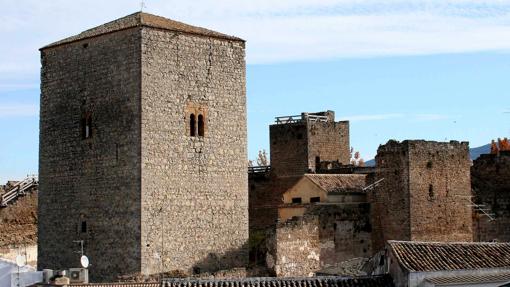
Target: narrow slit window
[84, 227]
[201, 125]
[87, 126]
[315, 199]
[192, 123]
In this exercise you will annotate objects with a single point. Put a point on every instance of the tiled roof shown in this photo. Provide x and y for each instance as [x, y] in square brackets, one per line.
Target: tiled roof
[146, 20]
[339, 182]
[437, 256]
[470, 279]
[326, 281]
[145, 284]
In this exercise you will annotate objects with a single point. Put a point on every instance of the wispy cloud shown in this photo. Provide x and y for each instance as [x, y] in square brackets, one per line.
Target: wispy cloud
[276, 31]
[369, 117]
[18, 111]
[413, 117]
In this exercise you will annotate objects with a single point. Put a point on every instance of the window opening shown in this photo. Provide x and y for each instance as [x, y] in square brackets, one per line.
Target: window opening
[200, 125]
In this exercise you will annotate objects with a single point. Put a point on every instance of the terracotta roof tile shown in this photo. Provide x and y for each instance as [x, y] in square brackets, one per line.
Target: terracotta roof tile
[146, 20]
[339, 182]
[326, 281]
[470, 279]
[437, 256]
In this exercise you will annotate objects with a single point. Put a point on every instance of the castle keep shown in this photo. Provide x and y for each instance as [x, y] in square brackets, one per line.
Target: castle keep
[300, 143]
[424, 193]
[143, 149]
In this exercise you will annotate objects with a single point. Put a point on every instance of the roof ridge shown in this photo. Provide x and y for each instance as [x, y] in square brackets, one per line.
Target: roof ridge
[138, 19]
[448, 242]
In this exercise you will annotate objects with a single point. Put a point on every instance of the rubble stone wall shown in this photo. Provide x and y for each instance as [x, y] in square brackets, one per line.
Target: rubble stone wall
[194, 188]
[490, 177]
[425, 192]
[90, 187]
[329, 141]
[440, 189]
[289, 148]
[345, 232]
[294, 248]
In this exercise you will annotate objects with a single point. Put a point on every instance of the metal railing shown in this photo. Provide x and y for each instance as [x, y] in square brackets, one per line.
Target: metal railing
[300, 118]
[259, 169]
[19, 189]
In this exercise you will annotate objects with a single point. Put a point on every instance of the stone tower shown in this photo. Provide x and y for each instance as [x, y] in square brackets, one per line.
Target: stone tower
[424, 194]
[143, 149]
[299, 143]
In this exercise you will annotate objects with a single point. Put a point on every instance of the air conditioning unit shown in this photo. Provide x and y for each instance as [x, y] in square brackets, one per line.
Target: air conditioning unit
[79, 275]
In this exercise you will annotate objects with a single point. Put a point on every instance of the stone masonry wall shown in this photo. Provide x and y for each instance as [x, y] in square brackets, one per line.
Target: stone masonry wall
[90, 188]
[490, 178]
[329, 141]
[424, 194]
[295, 147]
[345, 232]
[294, 248]
[439, 188]
[194, 188]
[390, 200]
[289, 148]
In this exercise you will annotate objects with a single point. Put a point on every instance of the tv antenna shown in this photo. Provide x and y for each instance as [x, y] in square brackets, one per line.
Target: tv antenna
[142, 5]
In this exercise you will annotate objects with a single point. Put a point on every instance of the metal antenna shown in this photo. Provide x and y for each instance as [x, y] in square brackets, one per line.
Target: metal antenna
[142, 5]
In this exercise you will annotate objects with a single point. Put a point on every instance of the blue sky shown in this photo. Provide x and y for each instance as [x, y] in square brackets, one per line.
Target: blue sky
[436, 70]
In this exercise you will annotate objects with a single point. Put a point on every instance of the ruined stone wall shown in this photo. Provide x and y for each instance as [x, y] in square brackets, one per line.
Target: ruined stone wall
[289, 148]
[345, 232]
[90, 188]
[490, 178]
[194, 188]
[424, 192]
[329, 141]
[294, 248]
[390, 200]
[439, 189]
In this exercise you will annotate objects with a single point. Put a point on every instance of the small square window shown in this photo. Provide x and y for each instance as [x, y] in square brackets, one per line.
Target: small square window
[315, 199]
[296, 200]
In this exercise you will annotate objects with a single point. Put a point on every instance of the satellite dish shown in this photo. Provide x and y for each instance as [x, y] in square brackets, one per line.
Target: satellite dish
[20, 260]
[84, 260]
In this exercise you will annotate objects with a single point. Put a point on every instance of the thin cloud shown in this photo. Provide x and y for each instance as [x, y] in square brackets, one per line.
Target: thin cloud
[19, 111]
[381, 117]
[368, 117]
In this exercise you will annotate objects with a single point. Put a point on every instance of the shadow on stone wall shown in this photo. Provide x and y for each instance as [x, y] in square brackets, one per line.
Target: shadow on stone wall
[232, 259]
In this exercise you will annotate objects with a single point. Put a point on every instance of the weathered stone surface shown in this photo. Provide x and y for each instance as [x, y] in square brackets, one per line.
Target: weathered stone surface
[297, 147]
[424, 194]
[490, 177]
[143, 194]
[294, 247]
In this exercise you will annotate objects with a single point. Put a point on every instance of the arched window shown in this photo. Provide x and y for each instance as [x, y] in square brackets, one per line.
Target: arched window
[192, 125]
[200, 125]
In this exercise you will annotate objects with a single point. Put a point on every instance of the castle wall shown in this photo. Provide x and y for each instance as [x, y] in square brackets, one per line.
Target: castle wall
[289, 148]
[440, 189]
[329, 141]
[194, 189]
[297, 147]
[345, 232]
[90, 188]
[490, 177]
[294, 248]
[390, 200]
[425, 192]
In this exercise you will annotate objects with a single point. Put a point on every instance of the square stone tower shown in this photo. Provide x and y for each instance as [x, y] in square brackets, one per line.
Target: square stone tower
[299, 143]
[143, 149]
[424, 194]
